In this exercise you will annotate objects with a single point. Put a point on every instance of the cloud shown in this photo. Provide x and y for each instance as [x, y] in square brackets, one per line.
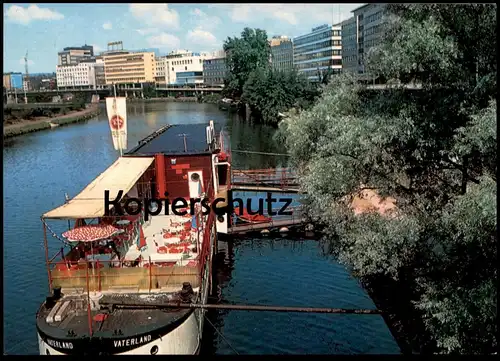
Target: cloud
[156, 14]
[107, 26]
[30, 62]
[147, 31]
[97, 48]
[164, 40]
[204, 21]
[24, 16]
[201, 37]
[292, 14]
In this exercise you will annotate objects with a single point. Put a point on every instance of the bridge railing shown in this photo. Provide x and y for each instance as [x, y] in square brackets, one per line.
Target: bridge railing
[281, 177]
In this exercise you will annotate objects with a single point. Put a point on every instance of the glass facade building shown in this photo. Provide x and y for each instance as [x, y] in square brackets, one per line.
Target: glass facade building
[281, 53]
[359, 34]
[189, 77]
[317, 52]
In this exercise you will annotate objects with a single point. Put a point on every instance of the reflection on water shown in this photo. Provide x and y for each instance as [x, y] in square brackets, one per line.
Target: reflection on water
[40, 167]
[288, 272]
[252, 137]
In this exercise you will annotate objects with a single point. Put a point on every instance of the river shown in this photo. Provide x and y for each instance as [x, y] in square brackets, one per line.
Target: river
[40, 168]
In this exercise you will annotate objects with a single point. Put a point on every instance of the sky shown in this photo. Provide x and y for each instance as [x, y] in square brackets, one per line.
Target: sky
[44, 29]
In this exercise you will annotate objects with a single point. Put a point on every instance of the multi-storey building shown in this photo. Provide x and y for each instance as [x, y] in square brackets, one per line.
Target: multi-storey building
[161, 70]
[189, 77]
[73, 55]
[359, 34]
[100, 77]
[214, 71]
[349, 46]
[317, 52]
[186, 62]
[281, 53]
[81, 75]
[129, 68]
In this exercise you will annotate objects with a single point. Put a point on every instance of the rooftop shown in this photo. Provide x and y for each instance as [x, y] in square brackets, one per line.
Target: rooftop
[170, 140]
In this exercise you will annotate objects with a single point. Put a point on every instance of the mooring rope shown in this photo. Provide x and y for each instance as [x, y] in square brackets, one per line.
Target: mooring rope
[54, 234]
[221, 335]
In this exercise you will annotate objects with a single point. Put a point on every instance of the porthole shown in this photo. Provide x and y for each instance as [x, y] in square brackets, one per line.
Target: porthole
[47, 351]
[220, 219]
[195, 177]
[153, 206]
[154, 350]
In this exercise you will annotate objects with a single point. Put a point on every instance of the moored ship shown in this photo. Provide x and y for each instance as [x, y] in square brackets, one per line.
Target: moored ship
[151, 254]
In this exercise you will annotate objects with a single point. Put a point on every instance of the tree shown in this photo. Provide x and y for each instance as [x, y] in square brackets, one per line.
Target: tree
[270, 92]
[243, 55]
[433, 150]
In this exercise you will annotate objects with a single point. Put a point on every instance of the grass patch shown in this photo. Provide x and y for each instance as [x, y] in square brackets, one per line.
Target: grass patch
[28, 128]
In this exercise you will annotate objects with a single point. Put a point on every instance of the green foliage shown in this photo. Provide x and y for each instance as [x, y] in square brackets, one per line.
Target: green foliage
[211, 98]
[270, 92]
[149, 91]
[244, 55]
[433, 150]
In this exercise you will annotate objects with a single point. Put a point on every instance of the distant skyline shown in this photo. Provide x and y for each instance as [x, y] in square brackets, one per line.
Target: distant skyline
[45, 29]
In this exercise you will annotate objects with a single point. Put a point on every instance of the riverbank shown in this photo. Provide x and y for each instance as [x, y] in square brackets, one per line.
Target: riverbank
[26, 126]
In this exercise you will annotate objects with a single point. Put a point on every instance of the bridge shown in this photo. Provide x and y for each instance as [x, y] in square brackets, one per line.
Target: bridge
[110, 91]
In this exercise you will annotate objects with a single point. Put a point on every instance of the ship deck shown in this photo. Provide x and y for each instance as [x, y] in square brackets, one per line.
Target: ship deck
[72, 322]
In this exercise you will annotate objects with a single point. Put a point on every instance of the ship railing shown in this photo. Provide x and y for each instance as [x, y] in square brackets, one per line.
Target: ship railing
[281, 177]
[144, 275]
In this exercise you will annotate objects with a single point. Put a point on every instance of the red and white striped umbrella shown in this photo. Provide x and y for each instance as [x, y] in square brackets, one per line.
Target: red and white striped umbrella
[90, 233]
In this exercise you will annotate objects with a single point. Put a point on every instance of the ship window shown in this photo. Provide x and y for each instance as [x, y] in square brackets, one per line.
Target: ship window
[154, 350]
[195, 177]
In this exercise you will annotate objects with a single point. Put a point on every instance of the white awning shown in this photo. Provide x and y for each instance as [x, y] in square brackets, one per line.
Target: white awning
[120, 176]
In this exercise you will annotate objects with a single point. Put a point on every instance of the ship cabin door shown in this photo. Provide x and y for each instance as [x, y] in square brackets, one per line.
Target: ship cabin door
[195, 180]
[222, 174]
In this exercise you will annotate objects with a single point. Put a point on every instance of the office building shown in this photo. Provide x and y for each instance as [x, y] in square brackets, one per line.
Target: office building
[81, 76]
[161, 70]
[362, 32]
[314, 54]
[13, 81]
[281, 53]
[189, 78]
[189, 63]
[129, 68]
[73, 55]
[100, 78]
[214, 71]
[350, 46]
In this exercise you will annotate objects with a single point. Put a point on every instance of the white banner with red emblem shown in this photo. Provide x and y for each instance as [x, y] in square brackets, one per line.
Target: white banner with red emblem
[117, 116]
